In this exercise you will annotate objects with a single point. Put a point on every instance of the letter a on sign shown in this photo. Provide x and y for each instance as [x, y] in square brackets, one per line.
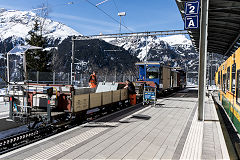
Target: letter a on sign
[191, 22]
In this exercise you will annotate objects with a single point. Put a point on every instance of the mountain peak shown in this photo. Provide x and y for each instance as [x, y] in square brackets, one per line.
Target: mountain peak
[176, 40]
[17, 24]
[2, 10]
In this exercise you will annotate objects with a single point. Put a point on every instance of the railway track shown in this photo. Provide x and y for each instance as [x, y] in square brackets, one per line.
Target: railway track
[25, 138]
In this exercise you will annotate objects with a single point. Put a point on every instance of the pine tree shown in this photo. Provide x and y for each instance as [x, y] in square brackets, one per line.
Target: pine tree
[37, 60]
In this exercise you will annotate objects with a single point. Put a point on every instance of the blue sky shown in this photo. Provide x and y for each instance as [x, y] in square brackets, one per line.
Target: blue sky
[142, 15]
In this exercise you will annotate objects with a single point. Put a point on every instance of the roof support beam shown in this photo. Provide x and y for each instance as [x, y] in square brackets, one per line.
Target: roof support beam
[232, 44]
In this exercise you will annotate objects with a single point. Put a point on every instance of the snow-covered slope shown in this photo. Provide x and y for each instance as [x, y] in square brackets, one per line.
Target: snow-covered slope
[17, 24]
[177, 40]
[143, 47]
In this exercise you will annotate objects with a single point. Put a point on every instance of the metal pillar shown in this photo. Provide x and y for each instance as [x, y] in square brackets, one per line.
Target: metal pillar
[25, 67]
[37, 77]
[54, 78]
[146, 48]
[211, 79]
[67, 78]
[8, 72]
[120, 25]
[72, 60]
[202, 59]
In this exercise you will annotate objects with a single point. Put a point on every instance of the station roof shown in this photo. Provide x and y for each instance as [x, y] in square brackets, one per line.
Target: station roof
[223, 26]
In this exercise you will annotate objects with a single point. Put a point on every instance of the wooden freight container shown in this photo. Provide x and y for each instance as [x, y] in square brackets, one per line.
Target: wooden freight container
[175, 79]
[116, 95]
[95, 100]
[166, 77]
[124, 94]
[80, 102]
[106, 98]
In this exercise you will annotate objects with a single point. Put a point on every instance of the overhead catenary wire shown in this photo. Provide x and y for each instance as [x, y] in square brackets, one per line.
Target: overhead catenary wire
[108, 15]
[115, 5]
[101, 2]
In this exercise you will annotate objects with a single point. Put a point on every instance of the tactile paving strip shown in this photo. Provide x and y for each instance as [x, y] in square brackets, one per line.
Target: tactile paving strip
[67, 144]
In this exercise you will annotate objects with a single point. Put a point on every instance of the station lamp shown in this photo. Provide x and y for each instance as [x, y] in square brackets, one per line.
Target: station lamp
[120, 14]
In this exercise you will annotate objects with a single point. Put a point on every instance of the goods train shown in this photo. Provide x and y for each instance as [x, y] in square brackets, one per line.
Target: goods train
[227, 79]
[54, 104]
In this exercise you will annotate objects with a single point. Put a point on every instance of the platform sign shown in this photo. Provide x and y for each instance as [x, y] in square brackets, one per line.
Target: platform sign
[149, 95]
[192, 8]
[191, 22]
[191, 15]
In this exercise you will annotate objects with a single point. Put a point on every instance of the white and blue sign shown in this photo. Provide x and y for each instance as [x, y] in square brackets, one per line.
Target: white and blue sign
[149, 95]
[191, 15]
[192, 8]
[191, 22]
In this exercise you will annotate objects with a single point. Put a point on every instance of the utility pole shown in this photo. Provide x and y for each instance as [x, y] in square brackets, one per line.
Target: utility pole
[146, 46]
[211, 69]
[202, 59]
[72, 65]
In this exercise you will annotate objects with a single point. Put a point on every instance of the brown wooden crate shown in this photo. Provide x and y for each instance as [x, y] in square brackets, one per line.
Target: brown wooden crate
[81, 102]
[106, 97]
[116, 95]
[124, 94]
[95, 100]
[166, 77]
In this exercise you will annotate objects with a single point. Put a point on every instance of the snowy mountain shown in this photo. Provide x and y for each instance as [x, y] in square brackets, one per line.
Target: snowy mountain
[168, 49]
[15, 25]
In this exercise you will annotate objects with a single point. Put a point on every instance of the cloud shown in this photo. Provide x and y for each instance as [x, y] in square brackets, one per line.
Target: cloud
[77, 18]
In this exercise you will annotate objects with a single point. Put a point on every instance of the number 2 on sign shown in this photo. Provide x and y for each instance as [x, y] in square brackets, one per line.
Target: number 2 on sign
[192, 9]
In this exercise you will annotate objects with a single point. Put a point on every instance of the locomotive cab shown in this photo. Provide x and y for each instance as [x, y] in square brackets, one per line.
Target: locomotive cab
[150, 71]
[164, 78]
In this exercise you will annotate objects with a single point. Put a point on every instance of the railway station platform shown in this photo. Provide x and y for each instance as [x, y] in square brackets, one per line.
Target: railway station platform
[169, 130]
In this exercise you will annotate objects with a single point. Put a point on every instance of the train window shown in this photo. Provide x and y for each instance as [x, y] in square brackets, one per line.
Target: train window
[152, 72]
[218, 78]
[238, 87]
[224, 83]
[228, 79]
[233, 78]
